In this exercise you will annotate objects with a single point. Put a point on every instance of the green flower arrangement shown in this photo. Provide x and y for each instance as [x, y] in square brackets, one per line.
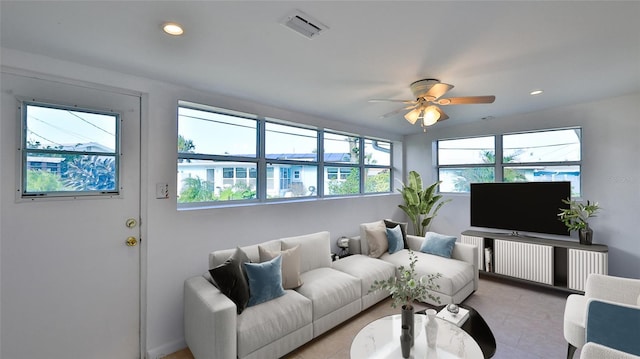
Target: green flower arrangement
[405, 288]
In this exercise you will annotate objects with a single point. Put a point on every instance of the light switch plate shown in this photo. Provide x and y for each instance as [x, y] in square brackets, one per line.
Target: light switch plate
[162, 190]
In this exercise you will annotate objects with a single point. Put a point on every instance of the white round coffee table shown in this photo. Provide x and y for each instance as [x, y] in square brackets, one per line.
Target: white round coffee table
[381, 339]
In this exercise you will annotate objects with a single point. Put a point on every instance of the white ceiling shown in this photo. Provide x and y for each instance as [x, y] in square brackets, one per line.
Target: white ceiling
[576, 51]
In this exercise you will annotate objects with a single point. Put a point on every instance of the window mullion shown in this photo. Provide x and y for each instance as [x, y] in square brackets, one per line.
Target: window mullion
[261, 187]
[499, 166]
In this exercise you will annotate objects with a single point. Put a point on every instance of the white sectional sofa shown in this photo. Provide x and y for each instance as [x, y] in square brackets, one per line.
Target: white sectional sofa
[331, 292]
[459, 278]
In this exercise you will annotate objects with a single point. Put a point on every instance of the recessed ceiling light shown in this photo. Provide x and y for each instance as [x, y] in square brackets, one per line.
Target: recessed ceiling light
[173, 28]
[535, 92]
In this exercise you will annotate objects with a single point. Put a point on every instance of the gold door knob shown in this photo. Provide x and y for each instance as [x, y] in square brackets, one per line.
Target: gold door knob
[132, 241]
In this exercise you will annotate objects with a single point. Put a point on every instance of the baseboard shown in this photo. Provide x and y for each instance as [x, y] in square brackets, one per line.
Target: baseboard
[166, 349]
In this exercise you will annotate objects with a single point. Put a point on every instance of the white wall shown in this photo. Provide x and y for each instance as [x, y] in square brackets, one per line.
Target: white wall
[175, 244]
[610, 169]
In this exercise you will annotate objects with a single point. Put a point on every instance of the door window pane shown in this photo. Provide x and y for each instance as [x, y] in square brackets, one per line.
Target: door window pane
[68, 150]
[547, 146]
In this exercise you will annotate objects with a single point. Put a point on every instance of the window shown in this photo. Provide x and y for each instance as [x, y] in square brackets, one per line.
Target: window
[294, 151]
[231, 156]
[68, 151]
[551, 155]
[465, 161]
[377, 162]
[217, 153]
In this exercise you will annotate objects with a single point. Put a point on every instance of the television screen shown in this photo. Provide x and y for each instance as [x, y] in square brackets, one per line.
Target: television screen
[521, 206]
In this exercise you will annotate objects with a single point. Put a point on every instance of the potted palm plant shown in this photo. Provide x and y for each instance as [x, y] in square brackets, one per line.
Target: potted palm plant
[420, 204]
[575, 218]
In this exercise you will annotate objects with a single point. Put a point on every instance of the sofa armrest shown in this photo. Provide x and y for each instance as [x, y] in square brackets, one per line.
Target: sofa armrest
[615, 289]
[414, 242]
[468, 253]
[210, 321]
[461, 251]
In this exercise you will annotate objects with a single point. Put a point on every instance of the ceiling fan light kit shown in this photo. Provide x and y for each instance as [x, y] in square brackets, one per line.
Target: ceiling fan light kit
[425, 106]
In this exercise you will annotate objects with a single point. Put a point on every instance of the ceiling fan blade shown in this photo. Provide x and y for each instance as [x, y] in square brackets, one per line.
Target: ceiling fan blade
[443, 116]
[395, 112]
[390, 100]
[437, 90]
[466, 100]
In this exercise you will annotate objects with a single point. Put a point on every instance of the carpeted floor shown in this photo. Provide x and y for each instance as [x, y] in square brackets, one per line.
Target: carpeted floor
[525, 320]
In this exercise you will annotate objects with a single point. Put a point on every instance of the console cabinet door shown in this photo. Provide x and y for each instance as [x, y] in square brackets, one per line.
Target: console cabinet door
[528, 261]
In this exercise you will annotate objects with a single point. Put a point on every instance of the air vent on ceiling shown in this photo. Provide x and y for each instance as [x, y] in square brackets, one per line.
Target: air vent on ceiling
[303, 24]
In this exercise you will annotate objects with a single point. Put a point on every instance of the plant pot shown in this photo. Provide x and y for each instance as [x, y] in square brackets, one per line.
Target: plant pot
[407, 320]
[585, 235]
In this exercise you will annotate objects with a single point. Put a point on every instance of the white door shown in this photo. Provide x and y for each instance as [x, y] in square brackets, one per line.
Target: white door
[70, 283]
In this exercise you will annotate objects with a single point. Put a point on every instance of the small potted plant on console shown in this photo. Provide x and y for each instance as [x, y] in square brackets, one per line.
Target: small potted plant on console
[575, 218]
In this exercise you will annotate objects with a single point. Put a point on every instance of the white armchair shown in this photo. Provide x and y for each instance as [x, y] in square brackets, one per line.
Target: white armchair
[601, 288]
[592, 350]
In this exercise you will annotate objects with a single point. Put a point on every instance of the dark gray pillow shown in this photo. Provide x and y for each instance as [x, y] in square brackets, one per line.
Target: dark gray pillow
[230, 277]
[403, 227]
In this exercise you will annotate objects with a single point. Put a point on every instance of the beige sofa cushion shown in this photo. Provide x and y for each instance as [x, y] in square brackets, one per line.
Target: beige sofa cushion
[377, 241]
[218, 257]
[371, 226]
[290, 265]
[315, 250]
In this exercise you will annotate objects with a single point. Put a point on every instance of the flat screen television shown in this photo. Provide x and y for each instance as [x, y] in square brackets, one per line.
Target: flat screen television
[520, 206]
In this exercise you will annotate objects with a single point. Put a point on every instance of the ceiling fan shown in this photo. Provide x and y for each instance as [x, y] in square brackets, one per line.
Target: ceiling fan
[428, 93]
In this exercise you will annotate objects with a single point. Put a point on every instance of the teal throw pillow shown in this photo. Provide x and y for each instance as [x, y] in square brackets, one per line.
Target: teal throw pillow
[438, 244]
[394, 236]
[265, 280]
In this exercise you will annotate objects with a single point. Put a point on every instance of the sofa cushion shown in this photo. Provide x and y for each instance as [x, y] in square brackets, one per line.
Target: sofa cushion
[230, 278]
[329, 290]
[367, 269]
[265, 280]
[265, 323]
[290, 265]
[376, 237]
[315, 250]
[394, 238]
[218, 257]
[363, 235]
[456, 274]
[438, 244]
[403, 227]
